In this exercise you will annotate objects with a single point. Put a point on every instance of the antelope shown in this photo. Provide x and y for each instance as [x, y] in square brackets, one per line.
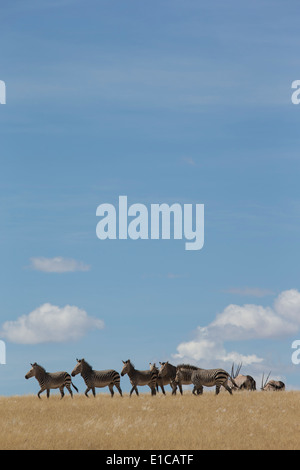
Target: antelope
[242, 382]
[272, 385]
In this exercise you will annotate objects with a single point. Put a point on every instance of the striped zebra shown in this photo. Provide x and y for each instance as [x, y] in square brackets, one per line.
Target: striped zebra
[139, 377]
[160, 381]
[97, 378]
[49, 380]
[184, 374]
[209, 378]
[155, 370]
[168, 373]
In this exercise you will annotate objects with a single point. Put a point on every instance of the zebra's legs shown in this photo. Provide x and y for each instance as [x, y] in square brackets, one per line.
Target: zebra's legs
[134, 388]
[41, 391]
[198, 390]
[162, 389]
[218, 389]
[69, 390]
[88, 389]
[153, 391]
[111, 389]
[119, 389]
[61, 389]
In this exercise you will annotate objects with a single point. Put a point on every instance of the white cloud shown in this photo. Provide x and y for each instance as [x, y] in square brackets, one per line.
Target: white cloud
[50, 323]
[287, 305]
[251, 321]
[58, 265]
[245, 322]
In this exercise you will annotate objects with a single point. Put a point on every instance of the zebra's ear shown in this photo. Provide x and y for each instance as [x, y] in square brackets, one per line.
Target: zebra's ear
[123, 362]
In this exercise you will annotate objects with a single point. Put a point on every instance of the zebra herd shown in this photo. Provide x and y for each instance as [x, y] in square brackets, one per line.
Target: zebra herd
[154, 378]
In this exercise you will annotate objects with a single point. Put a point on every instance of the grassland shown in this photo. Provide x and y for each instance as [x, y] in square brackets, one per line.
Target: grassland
[257, 420]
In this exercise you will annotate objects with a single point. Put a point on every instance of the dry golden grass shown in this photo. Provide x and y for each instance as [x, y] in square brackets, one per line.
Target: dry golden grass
[246, 420]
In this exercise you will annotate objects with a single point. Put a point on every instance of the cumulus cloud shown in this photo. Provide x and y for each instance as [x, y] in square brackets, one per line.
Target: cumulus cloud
[244, 322]
[251, 321]
[287, 305]
[50, 323]
[58, 265]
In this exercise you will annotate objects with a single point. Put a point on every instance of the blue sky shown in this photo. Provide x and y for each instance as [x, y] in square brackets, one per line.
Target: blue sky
[167, 101]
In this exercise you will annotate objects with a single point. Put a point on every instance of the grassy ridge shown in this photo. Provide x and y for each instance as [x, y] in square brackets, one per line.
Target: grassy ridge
[257, 420]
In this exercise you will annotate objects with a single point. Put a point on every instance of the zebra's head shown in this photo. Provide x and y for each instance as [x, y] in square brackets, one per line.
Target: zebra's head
[78, 368]
[152, 366]
[32, 371]
[163, 369]
[126, 367]
[178, 376]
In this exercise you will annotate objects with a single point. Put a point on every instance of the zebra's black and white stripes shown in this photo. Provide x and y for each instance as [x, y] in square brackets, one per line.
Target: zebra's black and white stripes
[168, 372]
[51, 380]
[139, 377]
[182, 374]
[208, 378]
[97, 378]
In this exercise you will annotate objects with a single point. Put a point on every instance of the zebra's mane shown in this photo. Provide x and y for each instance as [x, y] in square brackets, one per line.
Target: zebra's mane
[186, 366]
[40, 367]
[87, 365]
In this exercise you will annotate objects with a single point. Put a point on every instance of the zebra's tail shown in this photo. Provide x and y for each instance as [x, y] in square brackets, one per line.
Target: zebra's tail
[74, 387]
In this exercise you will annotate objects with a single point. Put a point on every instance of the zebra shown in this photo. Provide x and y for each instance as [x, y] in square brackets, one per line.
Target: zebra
[184, 375]
[97, 378]
[272, 385]
[168, 373]
[159, 383]
[243, 382]
[209, 378]
[139, 377]
[49, 380]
